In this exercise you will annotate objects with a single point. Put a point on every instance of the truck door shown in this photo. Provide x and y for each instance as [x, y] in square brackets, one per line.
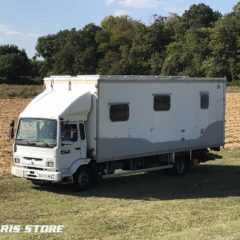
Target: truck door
[70, 143]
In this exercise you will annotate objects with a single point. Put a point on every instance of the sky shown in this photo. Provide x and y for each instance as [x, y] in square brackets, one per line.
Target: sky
[23, 21]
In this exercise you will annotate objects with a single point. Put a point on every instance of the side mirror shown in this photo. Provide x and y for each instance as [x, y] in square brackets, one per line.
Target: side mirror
[11, 129]
[73, 135]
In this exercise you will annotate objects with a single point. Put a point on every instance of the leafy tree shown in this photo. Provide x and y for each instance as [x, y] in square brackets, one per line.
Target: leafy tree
[173, 63]
[66, 51]
[14, 64]
[87, 56]
[47, 48]
[187, 56]
[117, 45]
[176, 26]
[225, 47]
[110, 63]
[200, 15]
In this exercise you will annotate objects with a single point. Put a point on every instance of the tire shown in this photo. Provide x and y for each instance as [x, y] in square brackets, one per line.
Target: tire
[83, 178]
[179, 167]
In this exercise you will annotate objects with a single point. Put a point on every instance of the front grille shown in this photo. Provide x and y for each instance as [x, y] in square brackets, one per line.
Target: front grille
[35, 168]
[35, 159]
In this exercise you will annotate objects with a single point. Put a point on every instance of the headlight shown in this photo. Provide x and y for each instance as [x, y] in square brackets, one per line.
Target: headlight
[50, 164]
[17, 160]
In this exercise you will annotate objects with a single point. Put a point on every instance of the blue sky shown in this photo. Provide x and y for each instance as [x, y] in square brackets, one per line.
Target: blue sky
[23, 21]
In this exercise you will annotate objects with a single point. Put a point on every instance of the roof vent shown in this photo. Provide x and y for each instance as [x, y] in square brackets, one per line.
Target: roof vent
[52, 82]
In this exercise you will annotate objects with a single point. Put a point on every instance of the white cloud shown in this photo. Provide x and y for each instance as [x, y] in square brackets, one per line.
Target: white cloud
[140, 3]
[135, 3]
[176, 6]
[120, 12]
[34, 35]
[7, 31]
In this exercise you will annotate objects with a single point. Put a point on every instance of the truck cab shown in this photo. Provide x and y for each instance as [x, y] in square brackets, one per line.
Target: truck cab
[51, 142]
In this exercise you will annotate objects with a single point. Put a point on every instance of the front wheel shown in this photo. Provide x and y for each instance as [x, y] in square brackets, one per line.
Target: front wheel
[83, 178]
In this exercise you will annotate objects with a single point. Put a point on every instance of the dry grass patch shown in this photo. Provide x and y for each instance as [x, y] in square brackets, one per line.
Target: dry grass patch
[232, 131]
[19, 91]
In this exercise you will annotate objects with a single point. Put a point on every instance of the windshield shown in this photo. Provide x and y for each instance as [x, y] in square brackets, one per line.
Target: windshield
[37, 132]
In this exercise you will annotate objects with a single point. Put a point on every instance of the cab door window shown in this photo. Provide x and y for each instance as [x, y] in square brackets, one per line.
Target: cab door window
[82, 131]
[69, 132]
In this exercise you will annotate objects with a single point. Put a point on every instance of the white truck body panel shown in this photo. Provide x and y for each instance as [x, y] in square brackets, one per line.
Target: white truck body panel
[147, 132]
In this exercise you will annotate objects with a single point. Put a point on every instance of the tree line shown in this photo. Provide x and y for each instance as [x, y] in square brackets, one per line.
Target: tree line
[199, 43]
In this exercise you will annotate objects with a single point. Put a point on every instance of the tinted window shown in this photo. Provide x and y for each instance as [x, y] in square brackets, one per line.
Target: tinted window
[82, 131]
[204, 100]
[162, 102]
[67, 130]
[119, 112]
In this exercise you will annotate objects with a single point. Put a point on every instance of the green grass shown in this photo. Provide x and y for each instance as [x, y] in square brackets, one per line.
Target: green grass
[19, 91]
[203, 204]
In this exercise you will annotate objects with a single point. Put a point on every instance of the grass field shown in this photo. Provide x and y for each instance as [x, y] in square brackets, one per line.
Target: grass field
[203, 204]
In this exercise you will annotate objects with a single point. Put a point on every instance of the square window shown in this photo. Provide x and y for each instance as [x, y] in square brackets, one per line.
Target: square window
[119, 112]
[162, 102]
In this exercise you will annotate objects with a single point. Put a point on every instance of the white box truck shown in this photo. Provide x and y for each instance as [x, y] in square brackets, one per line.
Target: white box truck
[84, 127]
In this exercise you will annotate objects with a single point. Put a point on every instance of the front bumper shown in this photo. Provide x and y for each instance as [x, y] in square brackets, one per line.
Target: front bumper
[36, 174]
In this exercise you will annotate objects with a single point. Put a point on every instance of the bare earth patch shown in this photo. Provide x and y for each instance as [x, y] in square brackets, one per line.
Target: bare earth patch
[232, 133]
[9, 109]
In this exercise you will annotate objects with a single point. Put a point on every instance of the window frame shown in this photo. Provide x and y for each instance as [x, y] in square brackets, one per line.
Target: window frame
[202, 106]
[82, 131]
[112, 119]
[162, 95]
[69, 140]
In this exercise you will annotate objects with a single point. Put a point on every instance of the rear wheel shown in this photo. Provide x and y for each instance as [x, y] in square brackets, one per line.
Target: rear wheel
[179, 167]
[83, 178]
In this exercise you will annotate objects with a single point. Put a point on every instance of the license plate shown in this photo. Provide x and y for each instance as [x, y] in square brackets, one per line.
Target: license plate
[30, 173]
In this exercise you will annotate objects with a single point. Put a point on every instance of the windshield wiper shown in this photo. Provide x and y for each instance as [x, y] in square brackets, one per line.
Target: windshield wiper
[34, 143]
[31, 143]
[25, 142]
[43, 144]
